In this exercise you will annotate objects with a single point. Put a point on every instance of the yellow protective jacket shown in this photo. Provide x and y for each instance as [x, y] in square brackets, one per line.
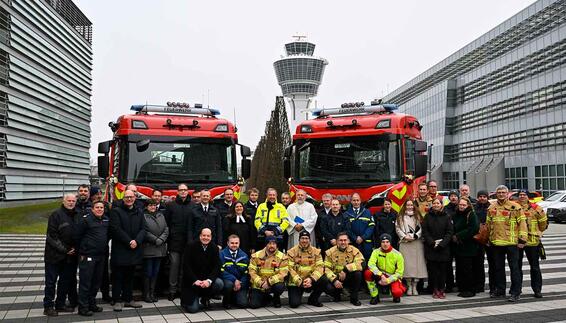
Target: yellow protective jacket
[351, 259]
[272, 268]
[274, 219]
[304, 263]
[537, 222]
[506, 224]
[391, 263]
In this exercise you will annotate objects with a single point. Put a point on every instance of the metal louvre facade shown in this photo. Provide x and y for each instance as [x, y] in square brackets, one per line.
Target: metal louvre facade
[495, 111]
[45, 98]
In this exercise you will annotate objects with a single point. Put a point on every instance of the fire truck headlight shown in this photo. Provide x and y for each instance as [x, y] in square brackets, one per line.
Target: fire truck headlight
[221, 128]
[306, 129]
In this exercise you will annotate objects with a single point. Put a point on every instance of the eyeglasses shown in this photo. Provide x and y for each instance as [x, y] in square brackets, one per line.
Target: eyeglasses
[432, 186]
[129, 197]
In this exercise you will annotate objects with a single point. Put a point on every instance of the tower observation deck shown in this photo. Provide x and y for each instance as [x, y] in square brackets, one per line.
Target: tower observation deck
[299, 74]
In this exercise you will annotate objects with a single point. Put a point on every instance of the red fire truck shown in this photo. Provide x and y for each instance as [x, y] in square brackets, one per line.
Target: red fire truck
[162, 146]
[368, 149]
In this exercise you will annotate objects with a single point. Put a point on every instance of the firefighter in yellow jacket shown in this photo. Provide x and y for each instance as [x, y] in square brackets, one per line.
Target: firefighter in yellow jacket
[271, 220]
[507, 229]
[343, 268]
[386, 266]
[537, 222]
[306, 272]
[268, 270]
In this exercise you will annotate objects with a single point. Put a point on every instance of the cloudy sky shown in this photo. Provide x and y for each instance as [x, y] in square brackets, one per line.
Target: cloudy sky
[222, 52]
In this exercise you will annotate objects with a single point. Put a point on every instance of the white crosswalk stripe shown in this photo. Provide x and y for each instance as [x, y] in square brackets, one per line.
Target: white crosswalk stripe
[22, 277]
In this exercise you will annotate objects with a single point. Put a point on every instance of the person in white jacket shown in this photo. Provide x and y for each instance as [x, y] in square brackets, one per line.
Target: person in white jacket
[302, 216]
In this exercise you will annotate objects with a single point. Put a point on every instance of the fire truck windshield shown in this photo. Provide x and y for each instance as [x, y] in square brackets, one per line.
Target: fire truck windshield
[352, 160]
[170, 162]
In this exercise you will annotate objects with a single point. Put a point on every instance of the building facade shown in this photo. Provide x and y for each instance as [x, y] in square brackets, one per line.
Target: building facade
[45, 98]
[495, 111]
[299, 74]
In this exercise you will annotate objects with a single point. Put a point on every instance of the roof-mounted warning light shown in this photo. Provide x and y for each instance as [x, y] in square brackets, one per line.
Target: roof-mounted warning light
[175, 108]
[355, 108]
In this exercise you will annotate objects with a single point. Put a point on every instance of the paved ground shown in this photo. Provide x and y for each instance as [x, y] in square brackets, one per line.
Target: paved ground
[21, 293]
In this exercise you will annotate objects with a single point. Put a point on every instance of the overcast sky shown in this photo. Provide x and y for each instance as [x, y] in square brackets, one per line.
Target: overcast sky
[176, 50]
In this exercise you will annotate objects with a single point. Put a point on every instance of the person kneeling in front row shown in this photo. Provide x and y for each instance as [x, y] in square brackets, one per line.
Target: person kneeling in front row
[201, 272]
[385, 266]
[306, 272]
[235, 264]
[268, 270]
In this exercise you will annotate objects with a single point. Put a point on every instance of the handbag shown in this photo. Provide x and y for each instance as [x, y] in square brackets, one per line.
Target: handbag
[482, 237]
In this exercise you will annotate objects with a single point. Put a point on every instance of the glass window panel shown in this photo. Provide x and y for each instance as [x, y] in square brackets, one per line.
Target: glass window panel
[552, 170]
[525, 172]
[560, 184]
[560, 170]
[545, 171]
[537, 171]
[545, 184]
[553, 184]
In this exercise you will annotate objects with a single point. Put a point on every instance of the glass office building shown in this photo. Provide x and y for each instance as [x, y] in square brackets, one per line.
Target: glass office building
[495, 111]
[45, 105]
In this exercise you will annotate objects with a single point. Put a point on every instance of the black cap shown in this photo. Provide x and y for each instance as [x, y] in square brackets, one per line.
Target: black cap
[270, 238]
[304, 234]
[482, 192]
[454, 192]
[523, 191]
[94, 190]
[385, 236]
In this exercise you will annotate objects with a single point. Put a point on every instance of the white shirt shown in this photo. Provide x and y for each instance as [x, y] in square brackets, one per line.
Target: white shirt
[306, 212]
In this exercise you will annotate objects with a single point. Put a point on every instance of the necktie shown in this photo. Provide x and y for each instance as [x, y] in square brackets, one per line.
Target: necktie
[356, 211]
[205, 209]
[234, 255]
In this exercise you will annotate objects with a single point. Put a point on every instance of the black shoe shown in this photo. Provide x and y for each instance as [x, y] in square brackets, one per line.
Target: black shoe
[496, 295]
[479, 290]
[85, 313]
[337, 298]
[95, 309]
[227, 306]
[314, 302]
[514, 298]
[66, 309]
[154, 298]
[538, 295]
[171, 297]
[276, 302]
[355, 302]
[396, 299]
[50, 312]
[374, 300]
[466, 294]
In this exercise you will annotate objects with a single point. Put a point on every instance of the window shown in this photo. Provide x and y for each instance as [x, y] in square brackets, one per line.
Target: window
[516, 178]
[450, 181]
[550, 178]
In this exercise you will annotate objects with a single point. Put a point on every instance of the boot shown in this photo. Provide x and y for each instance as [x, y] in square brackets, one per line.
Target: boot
[410, 286]
[146, 290]
[414, 287]
[152, 294]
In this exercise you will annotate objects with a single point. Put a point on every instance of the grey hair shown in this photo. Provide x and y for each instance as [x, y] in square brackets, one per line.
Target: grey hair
[502, 187]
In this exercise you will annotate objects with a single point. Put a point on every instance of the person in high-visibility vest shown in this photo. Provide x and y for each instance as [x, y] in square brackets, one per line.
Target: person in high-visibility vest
[385, 266]
[537, 222]
[507, 229]
[271, 219]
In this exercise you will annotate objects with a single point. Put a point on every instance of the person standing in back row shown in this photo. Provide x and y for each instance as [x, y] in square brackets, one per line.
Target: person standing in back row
[154, 248]
[302, 217]
[127, 230]
[177, 214]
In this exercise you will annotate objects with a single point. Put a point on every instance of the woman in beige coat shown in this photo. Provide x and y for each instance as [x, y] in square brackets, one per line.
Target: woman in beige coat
[408, 227]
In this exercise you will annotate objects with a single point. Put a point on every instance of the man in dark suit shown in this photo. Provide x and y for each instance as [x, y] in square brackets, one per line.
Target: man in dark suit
[206, 216]
[224, 205]
[201, 272]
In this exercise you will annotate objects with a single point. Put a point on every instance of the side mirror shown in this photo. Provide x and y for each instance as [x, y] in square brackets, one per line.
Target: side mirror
[245, 151]
[142, 145]
[286, 167]
[246, 168]
[420, 165]
[104, 147]
[103, 166]
[420, 146]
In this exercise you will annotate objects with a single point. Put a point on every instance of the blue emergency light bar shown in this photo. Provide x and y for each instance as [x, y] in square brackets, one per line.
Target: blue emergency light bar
[353, 109]
[175, 108]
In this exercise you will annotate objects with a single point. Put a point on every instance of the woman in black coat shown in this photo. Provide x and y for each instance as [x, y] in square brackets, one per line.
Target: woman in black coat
[385, 223]
[437, 234]
[241, 224]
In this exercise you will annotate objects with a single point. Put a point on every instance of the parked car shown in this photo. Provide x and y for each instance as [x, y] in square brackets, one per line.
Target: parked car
[558, 215]
[556, 201]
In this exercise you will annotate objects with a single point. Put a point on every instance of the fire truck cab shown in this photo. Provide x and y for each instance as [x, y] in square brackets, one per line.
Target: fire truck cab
[163, 146]
[360, 148]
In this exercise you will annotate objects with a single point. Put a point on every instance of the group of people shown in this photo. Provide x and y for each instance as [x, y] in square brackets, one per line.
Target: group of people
[249, 253]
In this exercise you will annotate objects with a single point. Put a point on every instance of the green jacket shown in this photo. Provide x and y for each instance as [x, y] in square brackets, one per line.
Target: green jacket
[466, 225]
[389, 263]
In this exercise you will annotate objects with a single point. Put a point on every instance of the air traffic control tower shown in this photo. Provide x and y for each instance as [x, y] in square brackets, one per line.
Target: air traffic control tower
[299, 74]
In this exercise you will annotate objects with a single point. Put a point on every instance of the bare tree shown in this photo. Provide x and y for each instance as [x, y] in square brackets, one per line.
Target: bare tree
[267, 163]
